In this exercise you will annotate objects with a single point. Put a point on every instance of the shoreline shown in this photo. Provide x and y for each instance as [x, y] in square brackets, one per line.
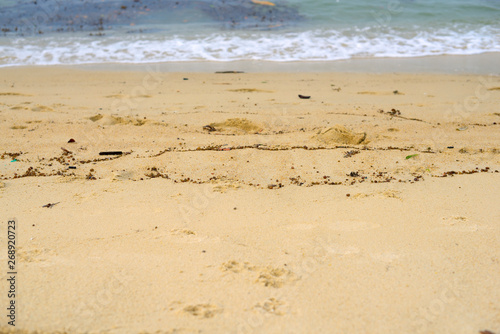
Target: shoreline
[482, 64]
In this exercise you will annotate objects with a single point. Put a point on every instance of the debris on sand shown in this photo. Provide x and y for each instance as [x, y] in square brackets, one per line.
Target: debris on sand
[237, 126]
[50, 205]
[111, 153]
[338, 134]
[209, 128]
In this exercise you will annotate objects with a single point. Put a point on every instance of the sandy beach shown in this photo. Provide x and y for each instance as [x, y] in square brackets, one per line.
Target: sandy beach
[238, 207]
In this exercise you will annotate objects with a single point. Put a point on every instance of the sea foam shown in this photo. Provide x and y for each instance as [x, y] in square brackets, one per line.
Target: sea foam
[312, 45]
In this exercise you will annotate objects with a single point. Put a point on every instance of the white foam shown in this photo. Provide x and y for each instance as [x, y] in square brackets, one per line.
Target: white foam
[316, 45]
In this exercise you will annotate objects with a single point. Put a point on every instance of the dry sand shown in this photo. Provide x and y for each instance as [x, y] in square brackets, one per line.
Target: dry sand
[372, 207]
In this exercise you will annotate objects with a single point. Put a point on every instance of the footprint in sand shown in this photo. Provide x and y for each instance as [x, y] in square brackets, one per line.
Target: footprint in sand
[352, 225]
[203, 310]
[275, 277]
[237, 267]
[272, 306]
[189, 237]
[268, 276]
[33, 255]
[41, 257]
[459, 224]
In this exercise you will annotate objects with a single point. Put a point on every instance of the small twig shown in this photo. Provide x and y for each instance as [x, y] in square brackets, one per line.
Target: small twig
[66, 151]
[50, 205]
[349, 154]
[111, 153]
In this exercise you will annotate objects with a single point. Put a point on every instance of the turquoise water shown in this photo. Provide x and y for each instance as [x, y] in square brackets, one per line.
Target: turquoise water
[141, 31]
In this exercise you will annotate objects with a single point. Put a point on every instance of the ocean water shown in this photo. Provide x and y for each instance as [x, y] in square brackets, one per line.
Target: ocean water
[47, 32]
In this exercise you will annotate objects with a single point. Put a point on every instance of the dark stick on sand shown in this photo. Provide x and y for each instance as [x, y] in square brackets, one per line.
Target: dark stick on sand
[50, 205]
[111, 153]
